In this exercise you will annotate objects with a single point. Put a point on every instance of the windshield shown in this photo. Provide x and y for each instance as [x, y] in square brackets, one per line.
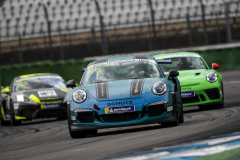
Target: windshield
[39, 82]
[183, 63]
[119, 70]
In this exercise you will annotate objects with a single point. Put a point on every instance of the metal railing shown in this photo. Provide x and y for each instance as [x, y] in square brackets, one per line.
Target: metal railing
[113, 39]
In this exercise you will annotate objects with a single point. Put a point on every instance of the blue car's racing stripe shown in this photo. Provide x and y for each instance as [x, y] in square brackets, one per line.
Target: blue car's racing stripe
[136, 87]
[102, 90]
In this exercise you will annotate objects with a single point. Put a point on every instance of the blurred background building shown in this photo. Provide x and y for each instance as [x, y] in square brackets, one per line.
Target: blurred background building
[37, 30]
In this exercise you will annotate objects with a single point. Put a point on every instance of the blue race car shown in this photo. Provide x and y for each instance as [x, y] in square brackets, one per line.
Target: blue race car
[123, 91]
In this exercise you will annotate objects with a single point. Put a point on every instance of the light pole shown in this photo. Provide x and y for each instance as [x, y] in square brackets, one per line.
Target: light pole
[20, 48]
[103, 36]
[229, 33]
[49, 31]
[204, 23]
[153, 22]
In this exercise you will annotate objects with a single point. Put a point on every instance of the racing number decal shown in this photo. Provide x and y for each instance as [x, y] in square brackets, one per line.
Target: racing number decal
[102, 90]
[136, 87]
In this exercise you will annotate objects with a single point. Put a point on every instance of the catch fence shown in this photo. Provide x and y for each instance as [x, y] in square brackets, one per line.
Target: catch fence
[58, 40]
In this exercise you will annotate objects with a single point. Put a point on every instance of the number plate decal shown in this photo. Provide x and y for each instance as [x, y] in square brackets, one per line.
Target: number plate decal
[47, 93]
[50, 105]
[188, 94]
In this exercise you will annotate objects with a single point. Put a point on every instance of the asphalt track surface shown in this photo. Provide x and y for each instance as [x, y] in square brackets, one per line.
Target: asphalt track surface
[49, 139]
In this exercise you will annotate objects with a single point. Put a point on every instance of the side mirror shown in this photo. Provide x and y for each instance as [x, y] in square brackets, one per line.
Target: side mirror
[6, 90]
[215, 66]
[173, 73]
[83, 70]
[71, 83]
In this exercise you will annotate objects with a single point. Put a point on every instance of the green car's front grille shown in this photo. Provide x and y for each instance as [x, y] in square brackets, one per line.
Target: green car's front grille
[202, 97]
[190, 100]
[213, 93]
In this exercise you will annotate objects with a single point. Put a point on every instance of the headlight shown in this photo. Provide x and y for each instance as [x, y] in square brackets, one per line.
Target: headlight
[159, 88]
[22, 98]
[212, 77]
[79, 96]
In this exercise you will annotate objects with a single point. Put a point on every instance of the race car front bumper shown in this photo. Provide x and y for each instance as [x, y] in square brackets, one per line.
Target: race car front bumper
[111, 125]
[204, 94]
[26, 111]
[146, 112]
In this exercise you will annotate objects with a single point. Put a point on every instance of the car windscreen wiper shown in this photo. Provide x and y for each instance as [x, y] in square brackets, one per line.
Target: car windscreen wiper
[99, 81]
[134, 78]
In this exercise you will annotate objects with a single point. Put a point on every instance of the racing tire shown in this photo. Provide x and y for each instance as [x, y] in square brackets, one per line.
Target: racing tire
[176, 121]
[61, 118]
[4, 123]
[220, 105]
[92, 132]
[181, 118]
[172, 124]
[201, 107]
[75, 134]
[13, 121]
[78, 134]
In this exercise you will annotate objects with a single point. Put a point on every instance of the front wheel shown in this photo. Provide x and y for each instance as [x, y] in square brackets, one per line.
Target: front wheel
[75, 134]
[14, 122]
[92, 132]
[4, 123]
[174, 123]
[221, 105]
[181, 118]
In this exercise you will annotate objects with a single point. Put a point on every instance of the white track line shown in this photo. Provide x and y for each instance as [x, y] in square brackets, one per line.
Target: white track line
[209, 147]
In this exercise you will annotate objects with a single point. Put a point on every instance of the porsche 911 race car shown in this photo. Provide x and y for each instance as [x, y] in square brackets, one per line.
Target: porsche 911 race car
[33, 96]
[123, 91]
[200, 85]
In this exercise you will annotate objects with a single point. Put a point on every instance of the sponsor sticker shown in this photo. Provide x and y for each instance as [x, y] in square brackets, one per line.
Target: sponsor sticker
[109, 110]
[187, 94]
[51, 105]
[120, 103]
[136, 88]
[47, 93]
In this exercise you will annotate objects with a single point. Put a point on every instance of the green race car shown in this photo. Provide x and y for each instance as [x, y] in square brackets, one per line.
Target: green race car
[33, 96]
[200, 85]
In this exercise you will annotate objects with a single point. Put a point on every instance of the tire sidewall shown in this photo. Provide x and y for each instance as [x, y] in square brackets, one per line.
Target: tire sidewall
[13, 120]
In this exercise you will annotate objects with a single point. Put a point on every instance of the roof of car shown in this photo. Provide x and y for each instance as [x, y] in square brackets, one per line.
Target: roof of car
[175, 54]
[121, 58]
[35, 74]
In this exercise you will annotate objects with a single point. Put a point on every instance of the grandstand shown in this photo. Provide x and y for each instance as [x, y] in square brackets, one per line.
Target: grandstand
[27, 17]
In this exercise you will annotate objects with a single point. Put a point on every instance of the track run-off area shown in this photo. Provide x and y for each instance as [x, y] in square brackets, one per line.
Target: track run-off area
[50, 139]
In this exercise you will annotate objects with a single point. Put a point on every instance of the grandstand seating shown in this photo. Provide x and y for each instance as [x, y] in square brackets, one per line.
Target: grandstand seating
[27, 17]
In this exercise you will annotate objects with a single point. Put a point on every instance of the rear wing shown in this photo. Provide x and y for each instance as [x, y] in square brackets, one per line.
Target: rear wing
[164, 61]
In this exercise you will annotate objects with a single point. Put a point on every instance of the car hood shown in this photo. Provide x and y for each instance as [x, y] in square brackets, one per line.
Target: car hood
[43, 94]
[191, 77]
[121, 89]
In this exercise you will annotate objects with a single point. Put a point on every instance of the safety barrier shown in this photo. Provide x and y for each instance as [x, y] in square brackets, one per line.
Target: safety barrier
[227, 58]
[71, 69]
